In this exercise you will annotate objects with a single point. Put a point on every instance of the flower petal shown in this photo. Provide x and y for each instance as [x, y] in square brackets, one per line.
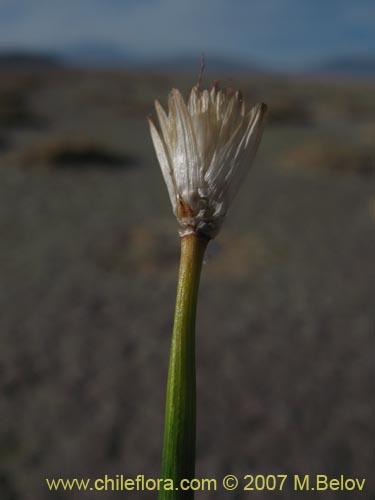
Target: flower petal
[164, 123]
[205, 149]
[165, 163]
[246, 149]
[184, 154]
[232, 160]
[193, 102]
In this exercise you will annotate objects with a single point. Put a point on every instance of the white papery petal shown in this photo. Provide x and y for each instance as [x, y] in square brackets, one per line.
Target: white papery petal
[206, 133]
[185, 153]
[193, 102]
[165, 164]
[246, 150]
[224, 154]
[205, 101]
[205, 150]
[164, 125]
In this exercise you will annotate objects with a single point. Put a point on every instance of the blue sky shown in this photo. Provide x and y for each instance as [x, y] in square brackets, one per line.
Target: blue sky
[277, 33]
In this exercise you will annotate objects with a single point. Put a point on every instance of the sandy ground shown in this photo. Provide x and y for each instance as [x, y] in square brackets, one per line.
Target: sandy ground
[88, 266]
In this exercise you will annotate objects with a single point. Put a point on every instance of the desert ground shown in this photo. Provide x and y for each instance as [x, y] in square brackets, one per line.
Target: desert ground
[88, 264]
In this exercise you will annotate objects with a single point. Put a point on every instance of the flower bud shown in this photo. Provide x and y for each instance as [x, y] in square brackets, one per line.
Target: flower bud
[205, 149]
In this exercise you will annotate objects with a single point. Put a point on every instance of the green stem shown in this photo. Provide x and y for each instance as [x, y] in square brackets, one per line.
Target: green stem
[180, 414]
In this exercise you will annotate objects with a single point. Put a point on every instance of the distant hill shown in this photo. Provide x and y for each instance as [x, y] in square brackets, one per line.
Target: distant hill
[98, 54]
[214, 63]
[349, 66]
[109, 55]
[106, 54]
[15, 58]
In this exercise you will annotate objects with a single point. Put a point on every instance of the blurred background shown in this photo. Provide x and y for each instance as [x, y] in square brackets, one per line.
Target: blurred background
[89, 247]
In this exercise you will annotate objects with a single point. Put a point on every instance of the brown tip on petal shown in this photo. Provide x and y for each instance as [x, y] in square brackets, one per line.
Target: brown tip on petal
[215, 85]
[230, 91]
[263, 108]
[150, 119]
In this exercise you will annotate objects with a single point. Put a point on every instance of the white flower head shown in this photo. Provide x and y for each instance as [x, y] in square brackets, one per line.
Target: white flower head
[205, 149]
